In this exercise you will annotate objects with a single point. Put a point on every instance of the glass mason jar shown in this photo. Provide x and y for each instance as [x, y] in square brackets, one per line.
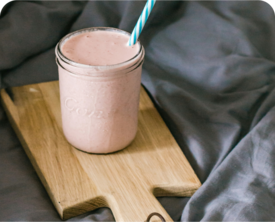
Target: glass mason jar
[99, 104]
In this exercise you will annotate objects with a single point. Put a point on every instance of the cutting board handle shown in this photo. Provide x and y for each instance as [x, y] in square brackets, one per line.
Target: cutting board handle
[136, 207]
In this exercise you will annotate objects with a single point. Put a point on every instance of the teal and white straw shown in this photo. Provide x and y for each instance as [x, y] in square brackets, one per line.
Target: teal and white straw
[141, 22]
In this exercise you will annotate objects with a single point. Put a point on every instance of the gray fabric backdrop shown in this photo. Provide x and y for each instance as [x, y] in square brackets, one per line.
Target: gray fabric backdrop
[210, 69]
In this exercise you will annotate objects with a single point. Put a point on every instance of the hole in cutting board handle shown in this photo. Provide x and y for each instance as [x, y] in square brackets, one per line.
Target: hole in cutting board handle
[155, 214]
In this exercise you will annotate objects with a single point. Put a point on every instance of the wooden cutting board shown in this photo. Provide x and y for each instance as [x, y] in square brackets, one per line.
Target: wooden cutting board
[126, 181]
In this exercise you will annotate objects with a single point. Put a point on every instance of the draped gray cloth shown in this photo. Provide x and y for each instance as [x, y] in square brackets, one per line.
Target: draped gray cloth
[210, 70]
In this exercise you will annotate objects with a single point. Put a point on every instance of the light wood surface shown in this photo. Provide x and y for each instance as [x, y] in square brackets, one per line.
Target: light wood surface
[126, 181]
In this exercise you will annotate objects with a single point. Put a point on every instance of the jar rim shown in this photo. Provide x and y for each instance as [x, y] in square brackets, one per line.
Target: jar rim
[65, 59]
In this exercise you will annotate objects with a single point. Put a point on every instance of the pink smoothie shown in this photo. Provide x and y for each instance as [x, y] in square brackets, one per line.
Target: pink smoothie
[99, 77]
[99, 48]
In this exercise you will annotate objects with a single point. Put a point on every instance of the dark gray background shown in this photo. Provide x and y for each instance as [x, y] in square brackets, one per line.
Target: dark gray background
[210, 70]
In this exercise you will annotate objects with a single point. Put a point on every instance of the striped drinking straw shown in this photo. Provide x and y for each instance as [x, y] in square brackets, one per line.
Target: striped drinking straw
[141, 22]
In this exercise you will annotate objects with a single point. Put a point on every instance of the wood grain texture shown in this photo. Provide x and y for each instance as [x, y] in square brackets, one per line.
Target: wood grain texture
[126, 181]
